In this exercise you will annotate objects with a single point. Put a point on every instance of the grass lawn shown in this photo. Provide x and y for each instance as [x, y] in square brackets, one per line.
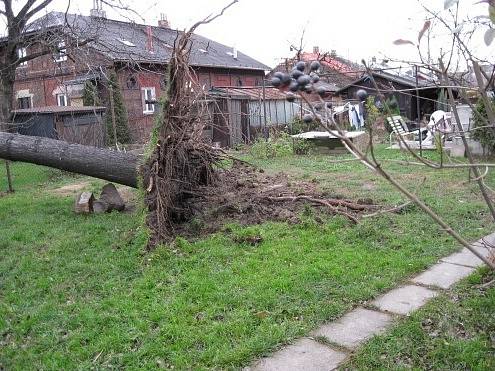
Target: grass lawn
[455, 331]
[79, 291]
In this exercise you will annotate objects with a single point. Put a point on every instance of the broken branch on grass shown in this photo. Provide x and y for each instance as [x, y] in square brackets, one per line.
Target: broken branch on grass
[395, 209]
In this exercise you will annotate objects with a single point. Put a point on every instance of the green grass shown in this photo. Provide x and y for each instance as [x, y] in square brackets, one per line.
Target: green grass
[455, 331]
[80, 292]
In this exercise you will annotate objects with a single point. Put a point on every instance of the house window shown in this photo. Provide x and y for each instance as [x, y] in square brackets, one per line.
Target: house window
[61, 55]
[24, 102]
[62, 100]
[148, 95]
[22, 53]
[132, 82]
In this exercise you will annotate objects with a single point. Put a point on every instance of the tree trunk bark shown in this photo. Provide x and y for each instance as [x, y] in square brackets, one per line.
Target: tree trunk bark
[7, 76]
[118, 167]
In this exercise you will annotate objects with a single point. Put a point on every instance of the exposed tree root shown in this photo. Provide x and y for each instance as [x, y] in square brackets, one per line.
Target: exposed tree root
[331, 204]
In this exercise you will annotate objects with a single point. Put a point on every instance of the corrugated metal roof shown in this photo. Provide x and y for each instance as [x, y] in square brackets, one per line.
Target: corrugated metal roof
[251, 93]
[127, 41]
[58, 109]
[256, 93]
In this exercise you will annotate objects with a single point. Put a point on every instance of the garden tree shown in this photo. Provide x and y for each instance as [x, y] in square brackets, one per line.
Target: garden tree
[91, 96]
[116, 120]
[17, 16]
[9, 56]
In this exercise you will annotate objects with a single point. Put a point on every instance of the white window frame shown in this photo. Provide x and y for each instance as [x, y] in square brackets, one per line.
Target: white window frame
[22, 53]
[65, 100]
[148, 94]
[61, 55]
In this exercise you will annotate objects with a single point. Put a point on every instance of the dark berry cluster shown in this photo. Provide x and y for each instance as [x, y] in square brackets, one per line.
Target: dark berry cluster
[302, 78]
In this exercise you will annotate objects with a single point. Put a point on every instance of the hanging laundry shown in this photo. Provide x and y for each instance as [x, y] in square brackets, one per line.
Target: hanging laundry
[356, 117]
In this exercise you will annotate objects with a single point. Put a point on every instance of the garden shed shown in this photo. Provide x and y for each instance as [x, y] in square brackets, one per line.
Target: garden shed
[82, 125]
[242, 113]
[402, 88]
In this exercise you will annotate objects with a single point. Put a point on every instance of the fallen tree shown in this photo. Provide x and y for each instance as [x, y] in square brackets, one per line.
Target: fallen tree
[118, 167]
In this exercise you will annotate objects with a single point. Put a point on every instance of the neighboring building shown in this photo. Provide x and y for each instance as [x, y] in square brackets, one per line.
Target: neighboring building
[137, 53]
[336, 72]
[403, 88]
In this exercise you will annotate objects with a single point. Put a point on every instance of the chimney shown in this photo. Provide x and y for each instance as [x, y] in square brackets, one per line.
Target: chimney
[97, 10]
[316, 50]
[234, 52]
[333, 53]
[163, 21]
[149, 41]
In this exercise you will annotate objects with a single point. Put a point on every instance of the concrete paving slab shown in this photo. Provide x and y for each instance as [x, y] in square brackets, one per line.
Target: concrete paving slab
[404, 300]
[305, 354]
[355, 327]
[443, 275]
[464, 257]
[485, 245]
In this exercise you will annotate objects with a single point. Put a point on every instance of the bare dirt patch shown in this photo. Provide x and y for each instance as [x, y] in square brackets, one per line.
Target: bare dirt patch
[71, 189]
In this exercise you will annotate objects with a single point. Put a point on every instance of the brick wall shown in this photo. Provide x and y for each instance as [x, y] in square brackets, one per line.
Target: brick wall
[141, 123]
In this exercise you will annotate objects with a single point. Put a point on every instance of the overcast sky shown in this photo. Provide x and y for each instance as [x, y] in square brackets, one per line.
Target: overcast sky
[264, 29]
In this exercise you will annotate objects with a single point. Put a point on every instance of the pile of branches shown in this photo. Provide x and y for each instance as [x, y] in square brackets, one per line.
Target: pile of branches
[181, 162]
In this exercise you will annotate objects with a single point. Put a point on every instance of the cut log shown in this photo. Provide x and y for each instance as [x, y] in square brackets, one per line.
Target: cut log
[84, 203]
[100, 207]
[117, 167]
[112, 198]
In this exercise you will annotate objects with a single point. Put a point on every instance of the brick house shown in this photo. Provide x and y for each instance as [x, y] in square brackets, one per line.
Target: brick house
[88, 47]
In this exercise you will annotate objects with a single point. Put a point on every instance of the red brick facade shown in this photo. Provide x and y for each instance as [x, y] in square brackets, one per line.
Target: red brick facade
[43, 78]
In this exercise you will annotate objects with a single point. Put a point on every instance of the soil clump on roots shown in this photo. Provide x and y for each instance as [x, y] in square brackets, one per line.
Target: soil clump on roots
[245, 195]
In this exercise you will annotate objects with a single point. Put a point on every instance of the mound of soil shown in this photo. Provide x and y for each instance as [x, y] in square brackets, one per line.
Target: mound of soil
[248, 196]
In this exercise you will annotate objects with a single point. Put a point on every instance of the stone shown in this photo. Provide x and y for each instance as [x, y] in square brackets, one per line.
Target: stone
[355, 327]
[443, 275]
[305, 354]
[404, 300]
[464, 257]
[100, 207]
[84, 203]
[111, 196]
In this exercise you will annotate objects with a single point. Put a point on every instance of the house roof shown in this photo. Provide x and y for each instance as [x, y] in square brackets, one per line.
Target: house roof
[251, 93]
[58, 109]
[335, 71]
[409, 82]
[128, 41]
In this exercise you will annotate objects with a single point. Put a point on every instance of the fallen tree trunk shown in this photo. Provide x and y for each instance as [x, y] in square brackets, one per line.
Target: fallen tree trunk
[117, 167]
